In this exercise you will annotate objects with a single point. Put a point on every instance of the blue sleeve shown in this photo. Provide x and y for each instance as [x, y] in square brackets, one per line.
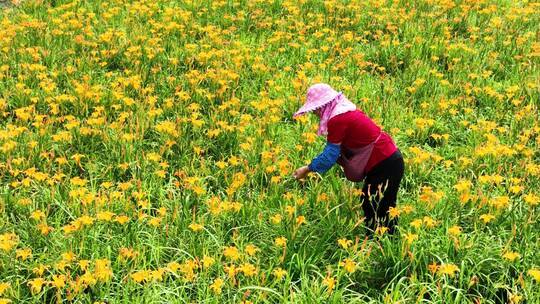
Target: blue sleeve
[326, 159]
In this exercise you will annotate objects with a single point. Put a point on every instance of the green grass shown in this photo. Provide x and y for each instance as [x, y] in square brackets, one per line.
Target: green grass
[173, 113]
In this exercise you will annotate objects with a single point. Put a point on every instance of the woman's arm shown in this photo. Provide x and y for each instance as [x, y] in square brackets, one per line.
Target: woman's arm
[324, 161]
[321, 163]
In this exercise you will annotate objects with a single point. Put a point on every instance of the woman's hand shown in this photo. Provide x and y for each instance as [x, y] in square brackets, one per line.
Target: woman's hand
[301, 172]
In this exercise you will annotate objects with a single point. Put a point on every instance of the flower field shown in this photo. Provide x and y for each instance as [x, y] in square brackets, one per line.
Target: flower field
[147, 148]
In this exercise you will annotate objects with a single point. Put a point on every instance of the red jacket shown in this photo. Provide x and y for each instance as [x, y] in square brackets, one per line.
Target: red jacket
[355, 129]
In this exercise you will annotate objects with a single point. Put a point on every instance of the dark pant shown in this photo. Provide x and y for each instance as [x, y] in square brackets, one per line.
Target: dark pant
[380, 192]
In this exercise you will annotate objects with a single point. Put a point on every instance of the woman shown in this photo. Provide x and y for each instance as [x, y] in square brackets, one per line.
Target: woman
[364, 151]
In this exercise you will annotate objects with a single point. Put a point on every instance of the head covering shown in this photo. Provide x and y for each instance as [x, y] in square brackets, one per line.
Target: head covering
[332, 103]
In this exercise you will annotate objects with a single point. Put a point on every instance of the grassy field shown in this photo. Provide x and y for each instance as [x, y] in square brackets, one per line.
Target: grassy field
[147, 148]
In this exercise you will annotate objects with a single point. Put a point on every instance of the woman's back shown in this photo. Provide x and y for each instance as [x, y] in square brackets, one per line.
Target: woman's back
[355, 129]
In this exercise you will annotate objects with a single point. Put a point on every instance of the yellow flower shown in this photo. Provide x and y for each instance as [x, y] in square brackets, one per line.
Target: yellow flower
[393, 212]
[221, 164]
[515, 189]
[140, 276]
[167, 127]
[322, 197]
[279, 273]
[217, 285]
[330, 283]
[37, 215]
[290, 210]
[187, 268]
[433, 267]
[121, 219]
[380, 230]
[511, 256]
[300, 220]
[251, 250]
[410, 237]
[196, 227]
[84, 264]
[531, 199]
[230, 270]
[248, 269]
[157, 274]
[208, 261]
[231, 252]
[463, 186]
[102, 270]
[155, 221]
[280, 241]
[3, 287]
[153, 157]
[348, 264]
[40, 269]
[23, 254]
[59, 281]
[344, 243]
[127, 253]
[454, 230]
[105, 216]
[429, 222]
[515, 298]
[36, 285]
[69, 256]
[500, 202]
[173, 266]
[448, 269]
[487, 218]
[535, 273]
[417, 223]
[26, 202]
[161, 173]
[8, 241]
[276, 219]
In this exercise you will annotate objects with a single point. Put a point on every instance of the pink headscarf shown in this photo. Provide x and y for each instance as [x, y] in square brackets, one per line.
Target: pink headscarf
[329, 101]
[338, 105]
